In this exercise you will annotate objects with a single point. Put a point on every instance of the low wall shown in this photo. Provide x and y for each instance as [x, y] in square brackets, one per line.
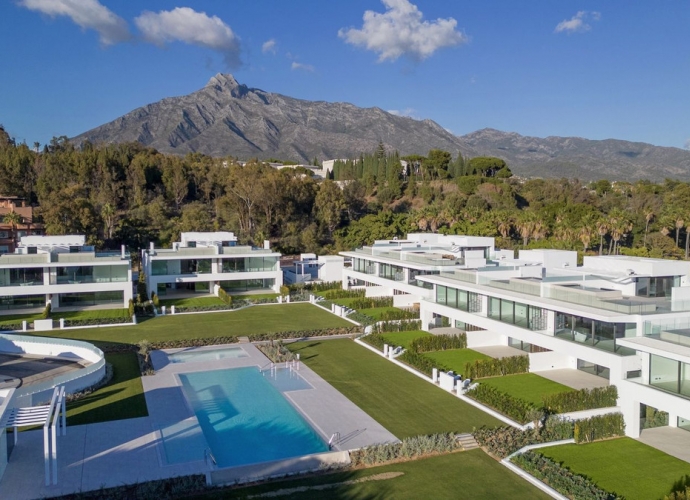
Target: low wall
[405, 300]
[540, 361]
[485, 338]
[279, 468]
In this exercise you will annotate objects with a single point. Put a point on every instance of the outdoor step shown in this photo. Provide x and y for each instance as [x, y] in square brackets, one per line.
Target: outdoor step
[243, 340]
[467, 441]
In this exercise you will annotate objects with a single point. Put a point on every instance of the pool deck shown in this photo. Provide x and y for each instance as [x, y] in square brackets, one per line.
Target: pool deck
[127, 451]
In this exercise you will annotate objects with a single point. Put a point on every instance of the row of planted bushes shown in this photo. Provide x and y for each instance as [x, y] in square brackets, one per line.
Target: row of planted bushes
[371, 303]
[584, 399]
[518, 409]
[599, 427]
[361, 318]
[420, 362]
[398, 314]
[408, 448]
[438, 343]
[560, 478]
[277, 352]
[10, 327]
[495, 367]
[398, 326]
[343, 294]
[316, 287]
[374, 339]
[97, 321]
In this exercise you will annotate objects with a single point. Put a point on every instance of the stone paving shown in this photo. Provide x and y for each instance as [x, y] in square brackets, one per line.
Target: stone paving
[576, 379]
[128, 451]
[671, 440]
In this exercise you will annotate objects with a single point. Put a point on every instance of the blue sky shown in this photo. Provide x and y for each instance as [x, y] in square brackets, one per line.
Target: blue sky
[615, 69]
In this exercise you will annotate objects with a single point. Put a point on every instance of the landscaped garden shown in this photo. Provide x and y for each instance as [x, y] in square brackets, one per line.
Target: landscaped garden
[403, 339]
[203, 301]
[623, 466]
[401, 402]
[455, 359]
[526, 386]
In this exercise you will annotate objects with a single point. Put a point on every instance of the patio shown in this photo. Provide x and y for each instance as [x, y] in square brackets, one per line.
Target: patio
[576, 379]
[670, 440]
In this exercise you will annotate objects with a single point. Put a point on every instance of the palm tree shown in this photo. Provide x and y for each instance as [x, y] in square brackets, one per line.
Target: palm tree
[679, 222]
[602, 229]
[648, 216]
[108, 214]
[13, 219]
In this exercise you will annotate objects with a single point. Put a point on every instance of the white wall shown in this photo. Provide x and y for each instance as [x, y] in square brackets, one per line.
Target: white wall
[485, 338]
[539, 361]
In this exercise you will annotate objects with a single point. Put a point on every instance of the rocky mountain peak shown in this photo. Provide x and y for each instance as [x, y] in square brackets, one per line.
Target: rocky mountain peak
[225, 80]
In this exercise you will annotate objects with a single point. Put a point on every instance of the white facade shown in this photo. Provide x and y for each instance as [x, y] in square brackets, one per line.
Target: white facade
[392, 267]
[625, 319]
[309, 268]
[205, 262]
[63, 271]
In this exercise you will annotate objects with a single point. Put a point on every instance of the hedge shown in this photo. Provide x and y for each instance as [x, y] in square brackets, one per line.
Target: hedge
[223, 296]
[277, 352]
[408, 448]
[371, 303]
[399, 314]
[97, 321]
[599, 427]
[343, 294]
[374, 339]
[361, 318]
[584, 399]
[318, 287]
[655, 418]
[495, 367]
[420, 362]
[503, 441]
[398, 326]
[518, 409]
[560, 478]
[10, 327]
[438, 343]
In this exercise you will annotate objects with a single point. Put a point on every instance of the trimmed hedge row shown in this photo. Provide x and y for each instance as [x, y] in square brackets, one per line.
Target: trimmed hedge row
[495, 367]
[560, 478]
[317, 287]
[398, 326]
[361, 318]
[438, 343]
[97, 321]
[518, 409]
[343, 294]
[408, 448]
[399, 314]
[502, 441]
[223, 295]
[11, 327]
[371, 303]
[599, 427]
[420, 362]
[584, 399]
[374, 339]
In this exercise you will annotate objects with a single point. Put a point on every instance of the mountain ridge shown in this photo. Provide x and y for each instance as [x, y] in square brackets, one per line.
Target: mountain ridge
[227, 118]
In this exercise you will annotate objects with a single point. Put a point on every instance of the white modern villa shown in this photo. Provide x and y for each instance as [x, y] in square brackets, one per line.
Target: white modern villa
[625, 319]
[65, 272]
[200, 262]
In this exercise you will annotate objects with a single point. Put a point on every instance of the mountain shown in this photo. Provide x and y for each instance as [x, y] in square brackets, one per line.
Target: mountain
[226, 118]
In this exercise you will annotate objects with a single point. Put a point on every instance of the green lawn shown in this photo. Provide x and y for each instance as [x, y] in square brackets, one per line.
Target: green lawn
[455, 359]
[401, 402]
[123, 397]
[255, 296]
[191, 302]
[470, 474]
[527, 386]
[378, 312]
[13, 319]
[252, 320]
[624, 466]
[91, 314]
[403, 338]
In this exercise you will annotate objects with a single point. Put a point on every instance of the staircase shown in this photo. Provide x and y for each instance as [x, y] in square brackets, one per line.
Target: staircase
[467, 441]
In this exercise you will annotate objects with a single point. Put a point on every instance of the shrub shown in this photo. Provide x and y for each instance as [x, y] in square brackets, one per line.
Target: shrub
[224, 297]
[154, 299]
[130, 308]
[599, 427]
[284, 290]
[438, 343]
[371, 302]
[518, 409]
[398, 326]
[399, 314]
[343, 294]
[317, 287]
[46, 312]
[654, 418]
[495, 367]
[9, 327]
[141, 288]
[420, 362]
[408, 448]
[585, 399]
[374, 339]
[96, 321]
[560, 478]
[277, 352]
[361, 318]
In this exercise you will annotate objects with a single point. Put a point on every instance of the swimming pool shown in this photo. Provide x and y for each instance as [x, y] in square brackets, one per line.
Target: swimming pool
[201, 355]
[246, 419]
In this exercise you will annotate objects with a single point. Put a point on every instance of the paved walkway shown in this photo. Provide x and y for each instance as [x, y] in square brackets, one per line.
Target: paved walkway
[134, 450]
[577, 379]
[499, 351]
[671, 440]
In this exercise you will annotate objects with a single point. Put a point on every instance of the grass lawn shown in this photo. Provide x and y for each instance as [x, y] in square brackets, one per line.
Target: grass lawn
[91, 314]
[470, 474]
[122, 398]
[527, 386]
[455, 359]
[191, 302]
[401, 402]
[247, 296]
[13, 319]
[403, 338]
[252, 320]
[378, 312]
[624, 466]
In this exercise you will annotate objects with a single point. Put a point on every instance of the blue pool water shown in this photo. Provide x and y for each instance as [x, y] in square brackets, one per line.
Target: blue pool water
[198, 356]
[246, 419]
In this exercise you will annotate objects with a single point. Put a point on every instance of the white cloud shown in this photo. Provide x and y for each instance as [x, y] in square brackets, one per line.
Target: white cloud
[304, 67]
[401, 31]
[189, 26]
[578, 23]
[89, 14]
[409, 112]
[269, 46]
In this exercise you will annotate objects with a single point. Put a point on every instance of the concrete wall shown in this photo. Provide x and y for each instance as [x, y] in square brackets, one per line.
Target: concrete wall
[539, 361]
[485, 338]
[405, 300]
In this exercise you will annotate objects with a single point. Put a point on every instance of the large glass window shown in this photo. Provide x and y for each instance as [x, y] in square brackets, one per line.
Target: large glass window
[195, 266]
[659, 286]
[91, 298]
[507, 311]
[73, 274]
[494, 308]
[235, 286]
[521, 315]
[441, 294]
[233, 265]
[22, 302]
[452, 297]
[391, 272]
[21, 277]
[664, 373]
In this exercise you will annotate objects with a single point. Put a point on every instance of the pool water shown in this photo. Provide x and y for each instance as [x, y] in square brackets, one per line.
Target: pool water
[246, 419]
[199, 356]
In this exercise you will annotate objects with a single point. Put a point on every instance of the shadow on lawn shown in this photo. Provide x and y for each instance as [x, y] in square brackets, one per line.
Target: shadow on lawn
[681, 486]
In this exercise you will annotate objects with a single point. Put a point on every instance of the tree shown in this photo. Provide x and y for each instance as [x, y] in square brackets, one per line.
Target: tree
[437, 163]
[108, 214]
[13, 219]
[486, 166]
[329, 205]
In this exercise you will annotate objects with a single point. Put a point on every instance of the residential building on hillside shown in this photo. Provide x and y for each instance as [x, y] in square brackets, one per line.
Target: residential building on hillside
[393, 267]
[310, 268]
[65, 272]
[625, 319]
[10, 234]
[205, 262]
